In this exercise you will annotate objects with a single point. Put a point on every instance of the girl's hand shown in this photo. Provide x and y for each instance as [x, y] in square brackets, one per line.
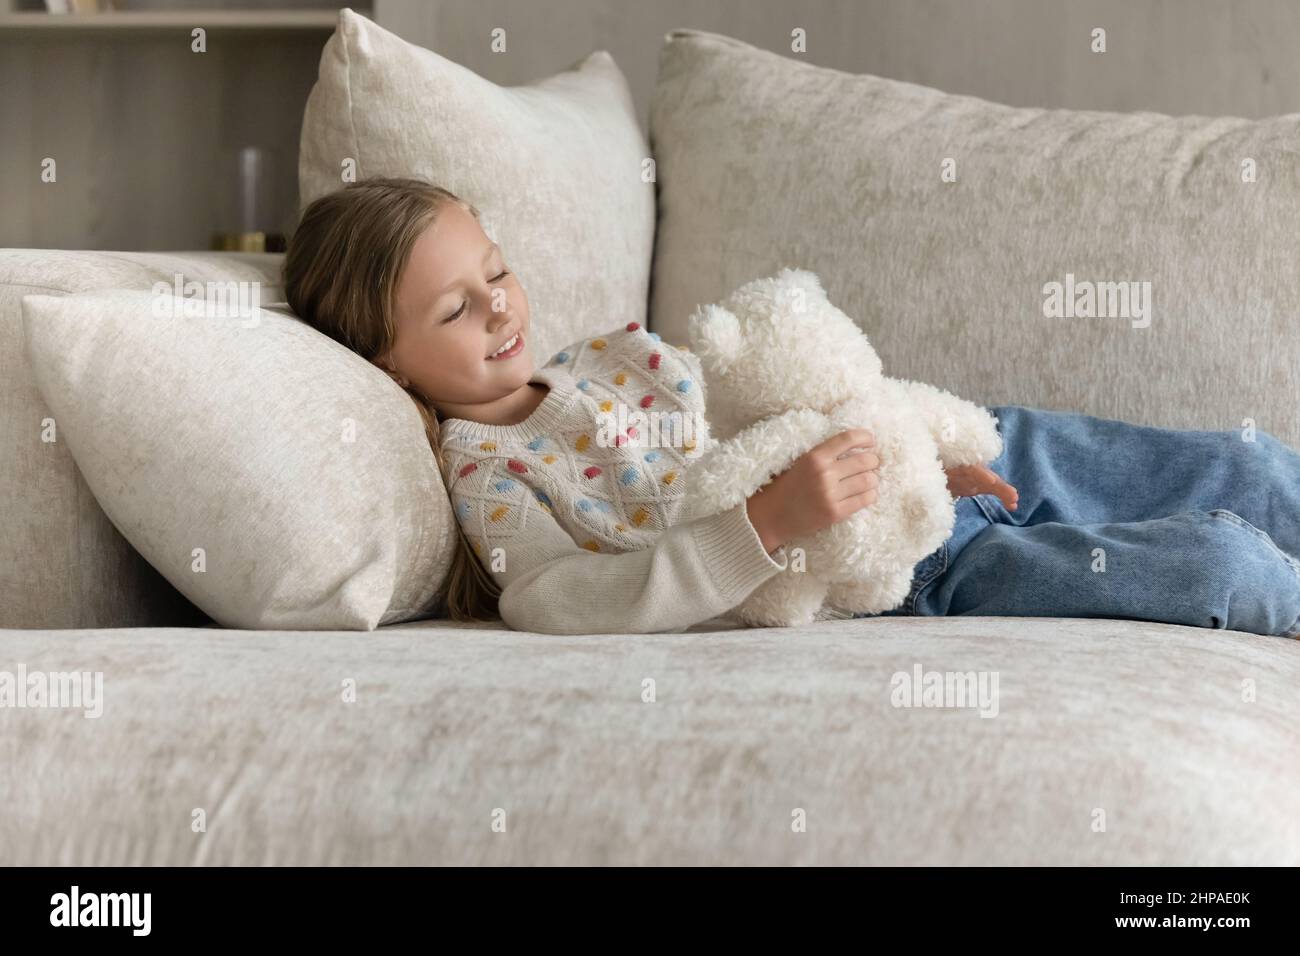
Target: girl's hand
[967, 480]
[824, 485]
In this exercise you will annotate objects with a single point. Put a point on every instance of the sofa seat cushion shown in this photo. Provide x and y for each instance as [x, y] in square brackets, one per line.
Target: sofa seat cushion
[1112, 743]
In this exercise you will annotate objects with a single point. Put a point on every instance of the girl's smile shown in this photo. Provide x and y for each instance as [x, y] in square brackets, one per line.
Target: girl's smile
[512, 347]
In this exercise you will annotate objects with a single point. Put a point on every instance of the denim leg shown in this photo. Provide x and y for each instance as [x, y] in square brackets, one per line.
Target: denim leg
[1200, 568]
[1080, 469]
[1205, 526]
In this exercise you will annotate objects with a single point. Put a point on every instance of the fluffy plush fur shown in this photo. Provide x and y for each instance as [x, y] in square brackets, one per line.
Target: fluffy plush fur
[784, 370]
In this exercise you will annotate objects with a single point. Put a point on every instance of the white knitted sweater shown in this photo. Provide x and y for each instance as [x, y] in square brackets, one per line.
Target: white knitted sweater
[572, 509]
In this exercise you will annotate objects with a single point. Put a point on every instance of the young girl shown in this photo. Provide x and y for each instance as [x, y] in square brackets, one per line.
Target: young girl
[565, 530]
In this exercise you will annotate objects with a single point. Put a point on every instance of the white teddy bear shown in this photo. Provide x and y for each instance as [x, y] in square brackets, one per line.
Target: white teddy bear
[783, 370]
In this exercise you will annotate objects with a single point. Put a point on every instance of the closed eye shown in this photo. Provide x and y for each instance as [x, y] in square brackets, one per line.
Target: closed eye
[457, 314]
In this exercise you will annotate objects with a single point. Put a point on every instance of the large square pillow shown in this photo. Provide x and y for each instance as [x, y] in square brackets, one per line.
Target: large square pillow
[62, 563]
[275, 478]
[988, 249]
[558, 168]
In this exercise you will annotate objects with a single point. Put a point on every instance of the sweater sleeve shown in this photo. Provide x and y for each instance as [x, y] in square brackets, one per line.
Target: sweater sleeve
[694, 571]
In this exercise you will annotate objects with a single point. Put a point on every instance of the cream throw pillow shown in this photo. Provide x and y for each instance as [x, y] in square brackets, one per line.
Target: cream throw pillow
[556, 167]
[938, 220]
[275, 478]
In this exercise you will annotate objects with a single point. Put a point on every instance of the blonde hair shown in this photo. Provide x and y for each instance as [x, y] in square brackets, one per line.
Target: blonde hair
[340, 275]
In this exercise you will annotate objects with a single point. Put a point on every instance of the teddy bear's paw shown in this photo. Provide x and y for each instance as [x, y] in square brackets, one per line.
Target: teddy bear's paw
[988, 437]
[786, 599]
[885, 590]
[764, 616]
[929, 515]
[974, 438]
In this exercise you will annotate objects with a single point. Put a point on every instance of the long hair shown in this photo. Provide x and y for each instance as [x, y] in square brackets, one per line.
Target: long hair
[340, 274]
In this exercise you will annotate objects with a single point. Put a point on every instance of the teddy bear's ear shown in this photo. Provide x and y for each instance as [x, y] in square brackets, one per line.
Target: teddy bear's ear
[715, 336]
[804, 278]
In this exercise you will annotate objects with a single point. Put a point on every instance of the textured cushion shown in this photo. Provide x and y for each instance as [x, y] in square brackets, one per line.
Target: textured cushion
[62, 563]
[555, 166]
[765, 161]
[271, 475]
[1143, 728]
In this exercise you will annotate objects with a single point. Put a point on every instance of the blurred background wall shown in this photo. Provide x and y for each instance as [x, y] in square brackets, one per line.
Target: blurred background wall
[1215, 57]
[145, 130]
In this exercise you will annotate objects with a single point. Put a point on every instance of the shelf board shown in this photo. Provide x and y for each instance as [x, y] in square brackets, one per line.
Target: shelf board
[141, 21]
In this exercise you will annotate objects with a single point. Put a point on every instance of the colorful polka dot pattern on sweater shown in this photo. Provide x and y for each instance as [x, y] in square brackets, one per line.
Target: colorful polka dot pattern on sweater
[603, 455]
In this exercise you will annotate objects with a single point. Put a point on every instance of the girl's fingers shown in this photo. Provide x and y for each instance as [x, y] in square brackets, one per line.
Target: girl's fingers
[1010, 497]
[841, 442]
[967, 481]
[962, 482]
[855, 464]
[857, 484]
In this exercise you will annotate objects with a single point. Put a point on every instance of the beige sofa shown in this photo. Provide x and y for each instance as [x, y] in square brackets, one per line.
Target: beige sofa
[1113, 742]
[1105, 741]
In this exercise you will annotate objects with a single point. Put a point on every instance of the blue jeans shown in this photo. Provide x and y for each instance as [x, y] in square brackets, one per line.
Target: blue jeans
[1118, 520]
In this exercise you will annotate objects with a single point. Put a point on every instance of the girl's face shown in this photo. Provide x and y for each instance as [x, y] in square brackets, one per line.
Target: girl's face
[456, 304]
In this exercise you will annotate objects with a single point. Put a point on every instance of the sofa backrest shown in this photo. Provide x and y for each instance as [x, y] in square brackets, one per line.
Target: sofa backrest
[966, 236]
